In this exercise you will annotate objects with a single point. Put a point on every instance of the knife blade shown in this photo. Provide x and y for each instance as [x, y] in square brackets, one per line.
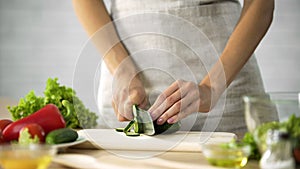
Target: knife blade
[143, 117]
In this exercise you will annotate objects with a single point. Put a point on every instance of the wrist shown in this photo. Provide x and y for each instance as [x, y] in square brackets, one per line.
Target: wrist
[209, 96]
[205, 98]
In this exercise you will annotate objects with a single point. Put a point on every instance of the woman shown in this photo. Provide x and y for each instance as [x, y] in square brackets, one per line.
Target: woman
[233, 34]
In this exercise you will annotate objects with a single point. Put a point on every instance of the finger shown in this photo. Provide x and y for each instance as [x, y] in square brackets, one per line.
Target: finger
[119, 116]
[173, 119]
[161, 98]
[127, 110]
[120, 109]
[190, 99]
[135, 98]
[122, 104]
[192, 108]
[144, 103]
[168, 104]
[139, 98]
[190, 95]
[174, 86]
[169, 113]
[114, 107]
[175, 109]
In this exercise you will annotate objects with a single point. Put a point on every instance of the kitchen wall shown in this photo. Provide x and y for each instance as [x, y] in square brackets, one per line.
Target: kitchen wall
[41, 39]
[279, 52]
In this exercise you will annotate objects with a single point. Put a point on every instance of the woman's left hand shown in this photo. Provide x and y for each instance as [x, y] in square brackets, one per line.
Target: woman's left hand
[179, 100]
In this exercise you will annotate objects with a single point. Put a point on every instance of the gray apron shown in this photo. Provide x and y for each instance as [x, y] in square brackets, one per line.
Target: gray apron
[181, 39]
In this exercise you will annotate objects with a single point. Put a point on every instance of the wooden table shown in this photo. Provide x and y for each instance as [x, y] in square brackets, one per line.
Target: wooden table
[164, 160]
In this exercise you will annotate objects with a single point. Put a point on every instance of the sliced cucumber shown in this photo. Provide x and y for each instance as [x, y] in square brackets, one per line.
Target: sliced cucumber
[138, 127]
[129, 126]
[132, 134]
[119, 129]
[166, 128]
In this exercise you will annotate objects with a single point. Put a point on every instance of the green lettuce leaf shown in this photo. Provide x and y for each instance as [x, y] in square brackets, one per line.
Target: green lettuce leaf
[75, 113]
[25, 138]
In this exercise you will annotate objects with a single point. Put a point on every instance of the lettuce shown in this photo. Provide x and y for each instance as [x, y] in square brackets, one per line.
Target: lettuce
[75, 113]
[25, 138]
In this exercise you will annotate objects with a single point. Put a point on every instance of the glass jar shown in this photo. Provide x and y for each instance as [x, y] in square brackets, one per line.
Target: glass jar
[279, 153]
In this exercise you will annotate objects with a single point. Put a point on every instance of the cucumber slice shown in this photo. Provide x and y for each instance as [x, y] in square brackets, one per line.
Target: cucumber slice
[138, 127]
[134, 110]
[132, 134]
[119, 129]
[129, 126]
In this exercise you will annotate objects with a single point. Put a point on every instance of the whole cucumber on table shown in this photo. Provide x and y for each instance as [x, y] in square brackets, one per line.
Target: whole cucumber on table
[63, 135]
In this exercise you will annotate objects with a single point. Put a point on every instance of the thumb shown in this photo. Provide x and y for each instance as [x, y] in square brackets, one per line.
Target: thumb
[136, 97]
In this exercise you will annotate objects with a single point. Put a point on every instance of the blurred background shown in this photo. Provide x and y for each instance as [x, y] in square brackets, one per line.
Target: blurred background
[42, 39]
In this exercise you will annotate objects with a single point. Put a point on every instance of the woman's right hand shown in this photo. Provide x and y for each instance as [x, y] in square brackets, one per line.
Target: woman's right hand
[127, 91]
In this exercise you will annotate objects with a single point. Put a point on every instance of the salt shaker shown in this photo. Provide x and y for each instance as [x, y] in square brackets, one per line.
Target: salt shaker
[278, 154]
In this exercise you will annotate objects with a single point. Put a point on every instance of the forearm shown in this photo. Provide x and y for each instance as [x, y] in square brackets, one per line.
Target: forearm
[93, 15]
[254, 22]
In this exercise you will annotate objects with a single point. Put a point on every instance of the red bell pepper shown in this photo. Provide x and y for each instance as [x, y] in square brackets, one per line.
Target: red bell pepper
[48, 117]
[3, 124]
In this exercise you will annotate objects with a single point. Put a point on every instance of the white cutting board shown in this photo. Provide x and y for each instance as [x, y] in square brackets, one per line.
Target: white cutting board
[109, 139]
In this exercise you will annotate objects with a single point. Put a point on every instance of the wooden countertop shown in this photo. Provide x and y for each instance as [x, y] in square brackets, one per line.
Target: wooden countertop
[170, 160]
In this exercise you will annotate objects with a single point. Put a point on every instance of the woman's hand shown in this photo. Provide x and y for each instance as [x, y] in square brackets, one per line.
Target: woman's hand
[127, 91]
[179, 100]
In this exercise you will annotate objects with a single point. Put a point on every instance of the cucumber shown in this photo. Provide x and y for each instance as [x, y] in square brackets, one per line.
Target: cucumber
[119, 129]
[129, 126]
[63, 135]
[166, 128]
[132, 134]
[138, 127]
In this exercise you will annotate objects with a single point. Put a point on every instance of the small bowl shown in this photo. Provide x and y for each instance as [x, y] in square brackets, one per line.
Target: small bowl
[224, 156]
[32, 156]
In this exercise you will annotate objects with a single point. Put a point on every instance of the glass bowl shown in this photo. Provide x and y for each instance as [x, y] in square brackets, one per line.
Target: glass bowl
[224, 156]
[276, 106]
[33, 156]
[271, 107]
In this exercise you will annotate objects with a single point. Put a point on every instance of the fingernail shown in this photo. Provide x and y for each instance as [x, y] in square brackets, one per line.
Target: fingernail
[170, 121]
[160, 121]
